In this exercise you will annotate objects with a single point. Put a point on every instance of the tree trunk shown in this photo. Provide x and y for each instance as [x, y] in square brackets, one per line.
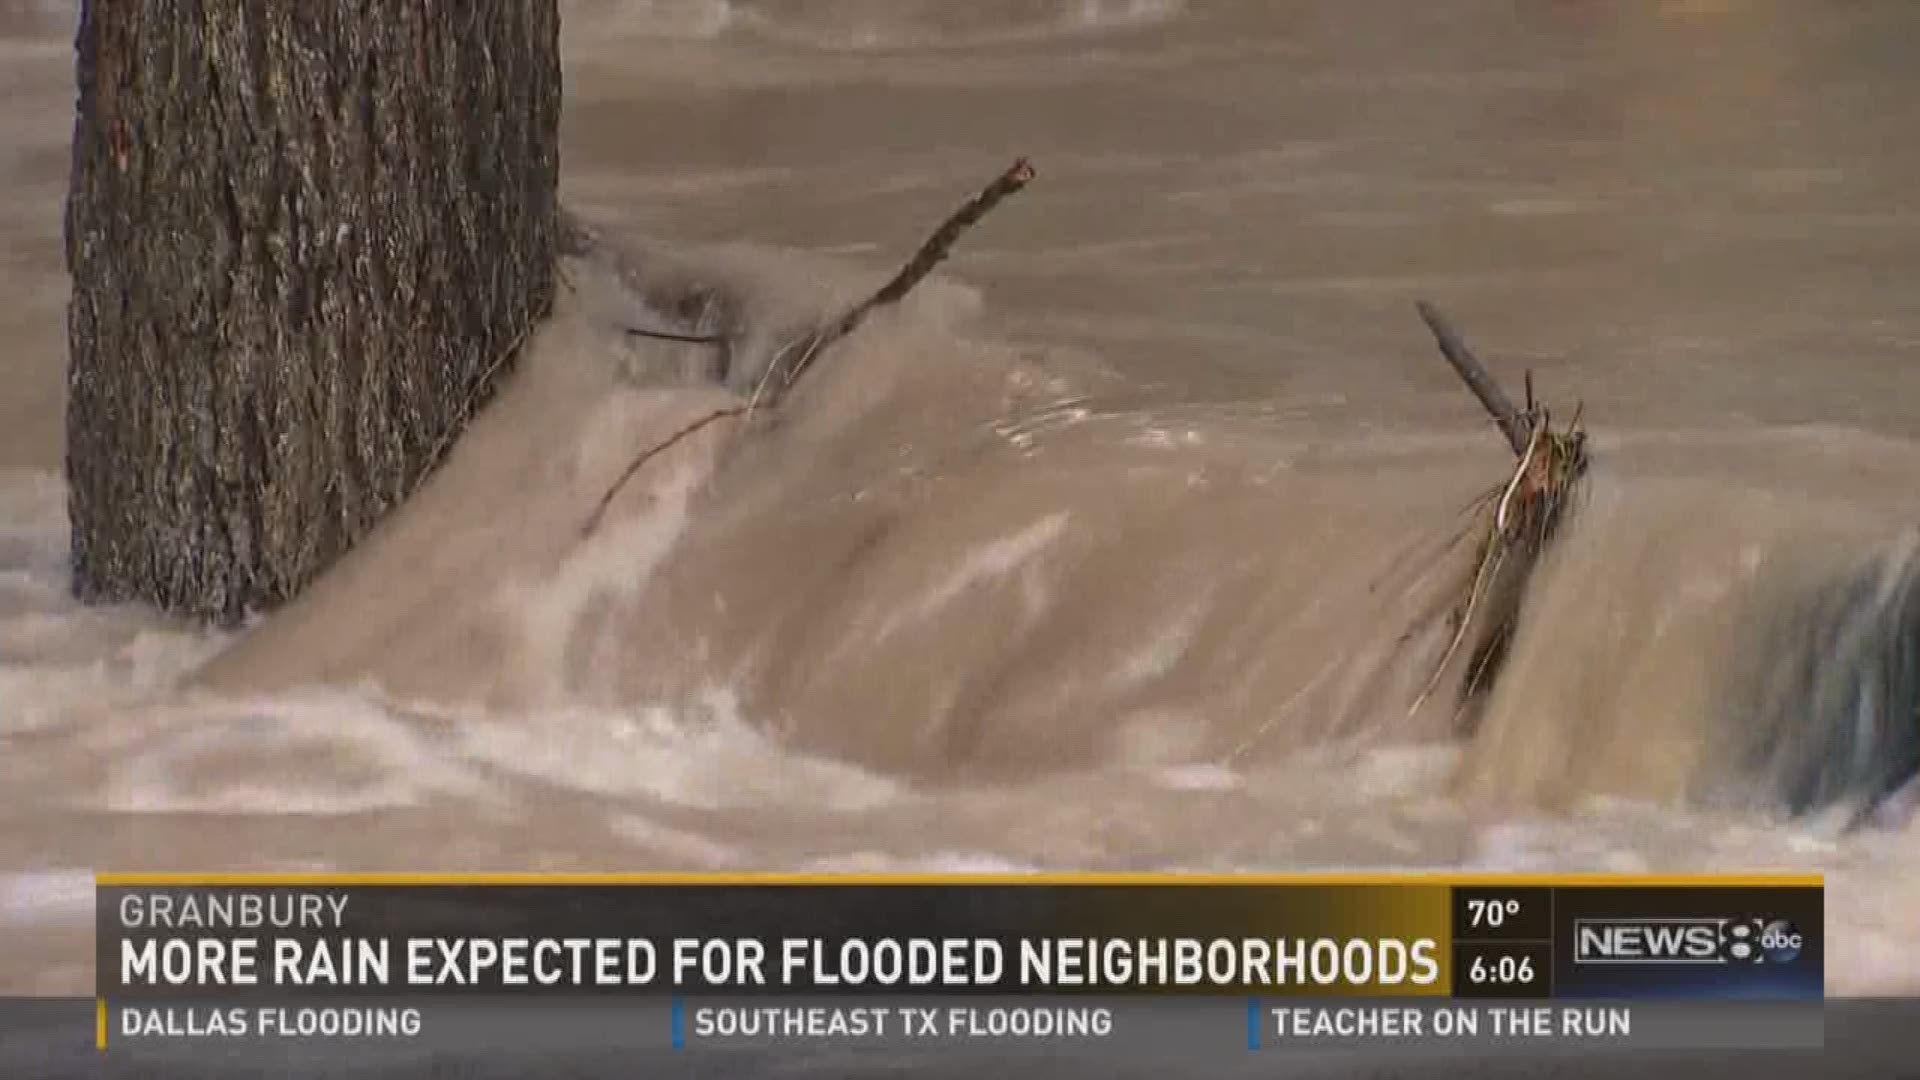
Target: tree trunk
[306, 237]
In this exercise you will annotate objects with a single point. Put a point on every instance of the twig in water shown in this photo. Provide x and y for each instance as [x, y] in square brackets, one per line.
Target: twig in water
[806, 347]
[606, 500]
[673, 335]
[930, 255]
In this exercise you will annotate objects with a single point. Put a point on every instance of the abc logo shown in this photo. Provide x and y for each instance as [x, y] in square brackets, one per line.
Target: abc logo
[1780, 941]
[1775, 941]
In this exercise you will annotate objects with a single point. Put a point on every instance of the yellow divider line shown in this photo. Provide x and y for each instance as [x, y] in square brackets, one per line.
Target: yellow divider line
[210, 880]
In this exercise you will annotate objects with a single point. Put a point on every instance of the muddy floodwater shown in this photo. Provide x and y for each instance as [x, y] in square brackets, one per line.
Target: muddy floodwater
[1122, 544]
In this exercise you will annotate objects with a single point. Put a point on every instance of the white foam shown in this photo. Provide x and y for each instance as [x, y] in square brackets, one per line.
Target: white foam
[672, 848]
[944, 862]
[318, 753]
[1168, 644]
[617, 560]
[706, 757]
[1114, 14]
[1199, 777]
[1402, 770]
[987, 562]
[31, 898]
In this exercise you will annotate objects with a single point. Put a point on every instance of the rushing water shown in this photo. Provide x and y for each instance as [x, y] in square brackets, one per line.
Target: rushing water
[1121, 544]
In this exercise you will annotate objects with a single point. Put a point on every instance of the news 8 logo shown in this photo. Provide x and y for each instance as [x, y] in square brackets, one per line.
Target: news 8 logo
[1652, 941]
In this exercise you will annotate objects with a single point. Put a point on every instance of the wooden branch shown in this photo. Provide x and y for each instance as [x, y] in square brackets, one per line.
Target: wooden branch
[808, 349]
[935, 250]
[600, 511]
[1511, 421]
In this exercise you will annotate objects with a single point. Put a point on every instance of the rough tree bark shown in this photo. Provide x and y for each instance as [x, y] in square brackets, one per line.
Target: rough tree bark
[305, 237]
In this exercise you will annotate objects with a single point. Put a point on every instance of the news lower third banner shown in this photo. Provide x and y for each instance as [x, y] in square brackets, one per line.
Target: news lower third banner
[1164, 965]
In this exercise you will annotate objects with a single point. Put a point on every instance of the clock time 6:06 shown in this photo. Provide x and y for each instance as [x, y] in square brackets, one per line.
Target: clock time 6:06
[1509, 969]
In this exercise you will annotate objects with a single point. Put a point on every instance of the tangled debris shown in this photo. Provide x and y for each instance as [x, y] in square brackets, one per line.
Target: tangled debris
[1518, 520]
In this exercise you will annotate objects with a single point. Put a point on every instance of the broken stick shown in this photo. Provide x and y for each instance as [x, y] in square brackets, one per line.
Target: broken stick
[931, 254]
[1516, 426]
[808, 348]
